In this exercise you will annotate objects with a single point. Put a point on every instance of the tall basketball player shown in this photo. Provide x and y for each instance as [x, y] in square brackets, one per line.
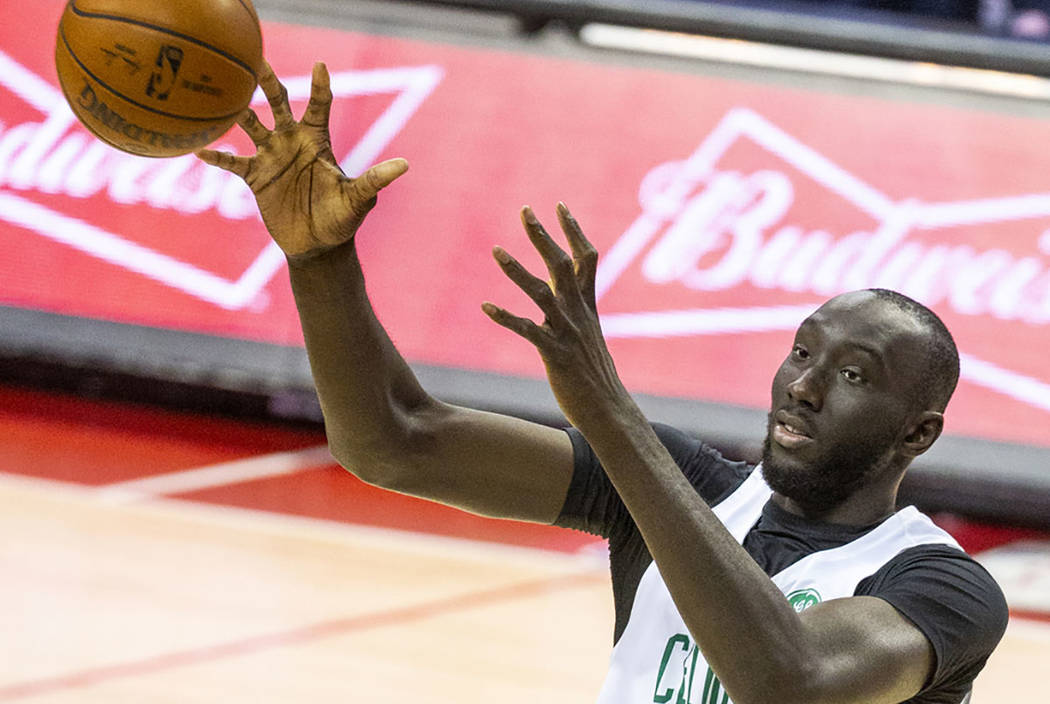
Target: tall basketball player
[794, 581]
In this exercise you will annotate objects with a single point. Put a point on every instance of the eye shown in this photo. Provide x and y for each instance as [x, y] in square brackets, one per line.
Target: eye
[799, 352]
[852, 375]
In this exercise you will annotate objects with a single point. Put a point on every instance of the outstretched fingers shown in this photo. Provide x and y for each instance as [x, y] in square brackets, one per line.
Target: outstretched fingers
[584, 254]
[277, 96]
[571, 277]
[320, 105]
[240, 165]
[518, 325]
[256, 130]
[534, 287]
[558, 262]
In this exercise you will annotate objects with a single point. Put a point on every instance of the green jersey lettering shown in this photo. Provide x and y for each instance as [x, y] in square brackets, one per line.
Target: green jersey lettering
[673, 643]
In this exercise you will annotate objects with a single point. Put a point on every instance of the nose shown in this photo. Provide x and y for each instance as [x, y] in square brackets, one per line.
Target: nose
[807, 388]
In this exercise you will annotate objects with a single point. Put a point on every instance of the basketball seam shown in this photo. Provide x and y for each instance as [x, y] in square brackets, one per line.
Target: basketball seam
[116, 18]
[85, 69]
[248, 7]
[105, 138]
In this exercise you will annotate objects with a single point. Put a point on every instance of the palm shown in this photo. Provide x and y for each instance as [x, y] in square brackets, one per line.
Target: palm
[306, 201]
[303, 196]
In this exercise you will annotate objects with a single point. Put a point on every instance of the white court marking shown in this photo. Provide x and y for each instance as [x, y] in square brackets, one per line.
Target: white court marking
[222, 474]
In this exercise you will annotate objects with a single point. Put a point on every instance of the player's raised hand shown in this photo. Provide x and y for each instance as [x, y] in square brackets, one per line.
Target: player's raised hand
[570, 341]
[306, 201]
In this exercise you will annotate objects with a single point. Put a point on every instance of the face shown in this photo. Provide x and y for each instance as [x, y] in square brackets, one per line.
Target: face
[841, 406]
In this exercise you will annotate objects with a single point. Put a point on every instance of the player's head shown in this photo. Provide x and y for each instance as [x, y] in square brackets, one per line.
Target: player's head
[860, 394]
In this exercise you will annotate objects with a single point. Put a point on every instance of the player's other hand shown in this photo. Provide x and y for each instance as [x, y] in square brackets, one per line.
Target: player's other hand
[307, 202]
[580, 369]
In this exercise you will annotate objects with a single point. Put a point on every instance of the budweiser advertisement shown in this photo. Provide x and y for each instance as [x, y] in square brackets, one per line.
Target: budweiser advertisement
[725, 212]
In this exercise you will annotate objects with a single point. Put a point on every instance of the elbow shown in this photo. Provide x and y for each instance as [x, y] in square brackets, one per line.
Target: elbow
[393, 457]
[377, 466]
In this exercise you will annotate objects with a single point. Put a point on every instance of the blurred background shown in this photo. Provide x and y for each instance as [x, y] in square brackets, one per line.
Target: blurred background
[736, 164]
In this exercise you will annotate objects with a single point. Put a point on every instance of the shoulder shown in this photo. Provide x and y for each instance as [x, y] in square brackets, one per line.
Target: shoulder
[952, 599]
[942, 568]
[592, 504]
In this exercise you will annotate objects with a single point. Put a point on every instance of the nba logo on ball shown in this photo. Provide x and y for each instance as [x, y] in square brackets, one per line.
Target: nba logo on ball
[162, 80]
[158, 78]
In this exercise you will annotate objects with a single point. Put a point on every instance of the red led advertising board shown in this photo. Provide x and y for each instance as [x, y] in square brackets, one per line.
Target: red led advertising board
[725, 211]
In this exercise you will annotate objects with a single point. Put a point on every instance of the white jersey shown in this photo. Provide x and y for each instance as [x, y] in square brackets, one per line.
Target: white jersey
[656, 660]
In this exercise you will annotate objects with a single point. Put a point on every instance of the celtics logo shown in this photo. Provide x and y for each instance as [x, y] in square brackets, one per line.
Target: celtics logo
[802, 599]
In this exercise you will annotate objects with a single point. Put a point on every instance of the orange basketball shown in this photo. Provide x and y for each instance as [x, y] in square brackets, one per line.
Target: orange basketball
[158, 77]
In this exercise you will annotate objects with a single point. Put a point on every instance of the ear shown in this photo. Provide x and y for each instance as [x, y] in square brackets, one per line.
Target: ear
[924, 432]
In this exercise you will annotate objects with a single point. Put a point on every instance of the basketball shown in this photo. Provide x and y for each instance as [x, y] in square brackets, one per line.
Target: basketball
[158, 78]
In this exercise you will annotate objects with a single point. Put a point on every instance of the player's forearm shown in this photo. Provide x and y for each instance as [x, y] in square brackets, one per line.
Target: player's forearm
[747, 631]
[367, 391]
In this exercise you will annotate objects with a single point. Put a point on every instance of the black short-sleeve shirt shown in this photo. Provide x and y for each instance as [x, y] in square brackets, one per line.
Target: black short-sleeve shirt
[942, 590]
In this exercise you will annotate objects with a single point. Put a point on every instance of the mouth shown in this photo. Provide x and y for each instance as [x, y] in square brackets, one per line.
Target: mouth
[789, 431]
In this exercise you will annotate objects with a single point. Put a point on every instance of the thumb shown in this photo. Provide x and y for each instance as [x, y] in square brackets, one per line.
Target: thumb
[381, 175]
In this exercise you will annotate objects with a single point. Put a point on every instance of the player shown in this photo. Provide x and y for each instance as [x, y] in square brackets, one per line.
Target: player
[796, 581]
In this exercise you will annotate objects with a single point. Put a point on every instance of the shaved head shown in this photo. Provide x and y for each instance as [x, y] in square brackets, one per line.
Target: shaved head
[941, 364]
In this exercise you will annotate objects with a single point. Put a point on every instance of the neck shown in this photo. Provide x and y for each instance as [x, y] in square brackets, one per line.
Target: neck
[870, 503]
[861, 509]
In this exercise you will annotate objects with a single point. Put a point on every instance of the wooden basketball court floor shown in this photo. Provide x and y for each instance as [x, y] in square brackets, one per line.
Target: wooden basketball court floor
[152, 556]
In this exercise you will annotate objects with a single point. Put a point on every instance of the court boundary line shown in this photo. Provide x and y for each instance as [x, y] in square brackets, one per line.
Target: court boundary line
[215, 475]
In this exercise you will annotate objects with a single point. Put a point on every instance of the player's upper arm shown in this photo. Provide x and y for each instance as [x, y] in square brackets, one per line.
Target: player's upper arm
[863, 651]
[486, 463]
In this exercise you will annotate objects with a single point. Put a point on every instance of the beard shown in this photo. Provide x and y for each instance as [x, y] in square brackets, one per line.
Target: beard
[825, 482]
